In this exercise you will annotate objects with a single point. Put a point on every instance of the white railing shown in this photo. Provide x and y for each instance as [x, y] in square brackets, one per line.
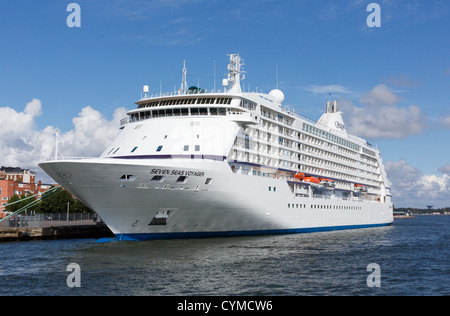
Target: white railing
[179, 93]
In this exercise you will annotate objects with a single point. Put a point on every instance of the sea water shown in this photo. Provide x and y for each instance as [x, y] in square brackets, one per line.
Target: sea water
[412, 257]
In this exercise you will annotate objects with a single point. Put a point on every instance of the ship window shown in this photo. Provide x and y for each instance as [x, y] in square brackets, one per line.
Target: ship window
[157, 179]
[203, 111]
[197, 147]
[182, 179]
[247, 141]
[127, 177]
[159, 148]
[116, 150]
[194, 111]
[270, 189]
[213, 111]
[208, 181]
[134, 149]
[185, 112]
[186, 148]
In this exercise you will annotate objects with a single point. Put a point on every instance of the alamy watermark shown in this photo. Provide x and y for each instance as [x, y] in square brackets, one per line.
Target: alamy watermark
[374, 278]
[74, 18]
[374, 18]
[74, 278]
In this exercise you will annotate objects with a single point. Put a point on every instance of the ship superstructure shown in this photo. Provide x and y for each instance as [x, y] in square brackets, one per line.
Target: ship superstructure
[194, 163]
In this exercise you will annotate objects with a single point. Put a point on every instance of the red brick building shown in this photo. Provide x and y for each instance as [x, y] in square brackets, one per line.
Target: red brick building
[14, 180]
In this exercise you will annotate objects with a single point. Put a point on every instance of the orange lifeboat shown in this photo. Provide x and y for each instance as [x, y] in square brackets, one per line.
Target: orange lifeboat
[327, 183]
[360, 188]
[311, 180]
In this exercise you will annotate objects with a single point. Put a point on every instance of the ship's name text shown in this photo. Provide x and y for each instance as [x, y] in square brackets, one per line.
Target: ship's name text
[176, 172]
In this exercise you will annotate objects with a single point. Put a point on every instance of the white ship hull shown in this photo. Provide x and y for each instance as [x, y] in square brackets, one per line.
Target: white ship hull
[196, 164]
[230, 205]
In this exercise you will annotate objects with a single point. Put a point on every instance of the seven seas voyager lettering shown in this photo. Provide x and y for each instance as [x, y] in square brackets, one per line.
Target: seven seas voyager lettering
[177, 172]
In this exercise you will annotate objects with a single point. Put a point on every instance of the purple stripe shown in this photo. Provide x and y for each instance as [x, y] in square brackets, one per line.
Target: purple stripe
[209, 157]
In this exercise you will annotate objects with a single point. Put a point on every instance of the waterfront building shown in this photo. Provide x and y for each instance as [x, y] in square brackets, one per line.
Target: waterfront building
[18, 181]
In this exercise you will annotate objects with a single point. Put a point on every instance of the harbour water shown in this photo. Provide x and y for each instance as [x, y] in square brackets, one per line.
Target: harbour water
[413, 256]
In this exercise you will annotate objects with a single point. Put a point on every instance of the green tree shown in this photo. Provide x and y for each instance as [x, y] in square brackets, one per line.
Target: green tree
[17, 206]
[55, 202]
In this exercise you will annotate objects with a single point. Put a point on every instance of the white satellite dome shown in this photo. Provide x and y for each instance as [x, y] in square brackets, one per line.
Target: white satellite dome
[278, 95]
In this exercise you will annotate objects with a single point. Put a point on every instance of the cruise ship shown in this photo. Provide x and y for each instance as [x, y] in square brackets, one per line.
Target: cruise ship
[195, 164]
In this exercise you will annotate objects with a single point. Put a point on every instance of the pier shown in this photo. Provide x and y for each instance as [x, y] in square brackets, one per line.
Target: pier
[28, 228]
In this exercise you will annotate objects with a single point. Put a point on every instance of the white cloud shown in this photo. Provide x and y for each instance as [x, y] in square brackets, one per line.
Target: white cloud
[328, 89]
[91, 134]
[23, 145]
[434, 186]
[381, 95]
[445, 169]
[411, 188]
[381, 116]
[12, 122]
[445, 121]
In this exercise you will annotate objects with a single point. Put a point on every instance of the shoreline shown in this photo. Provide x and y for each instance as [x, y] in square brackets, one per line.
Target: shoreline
[74, 231]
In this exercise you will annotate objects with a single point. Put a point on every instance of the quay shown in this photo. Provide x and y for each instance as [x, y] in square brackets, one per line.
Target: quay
[57, 230]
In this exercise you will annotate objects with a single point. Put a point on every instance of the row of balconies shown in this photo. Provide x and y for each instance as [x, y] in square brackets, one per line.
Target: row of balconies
[274, 148]
[275, 158]
[345, 155]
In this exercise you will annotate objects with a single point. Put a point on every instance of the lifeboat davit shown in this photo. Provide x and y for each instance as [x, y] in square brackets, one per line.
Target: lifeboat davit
[359, 188]
[313, 182]
[327, 183]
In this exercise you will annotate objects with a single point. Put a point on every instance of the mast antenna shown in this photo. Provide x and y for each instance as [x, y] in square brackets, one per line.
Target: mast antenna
[236, 74]
[56, 144]
[184, 88]
[277, 75]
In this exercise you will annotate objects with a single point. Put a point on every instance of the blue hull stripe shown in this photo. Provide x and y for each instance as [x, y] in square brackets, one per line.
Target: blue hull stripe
[192, 235]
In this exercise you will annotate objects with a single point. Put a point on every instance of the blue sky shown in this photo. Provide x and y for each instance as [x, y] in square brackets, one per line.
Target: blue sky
[393, 82]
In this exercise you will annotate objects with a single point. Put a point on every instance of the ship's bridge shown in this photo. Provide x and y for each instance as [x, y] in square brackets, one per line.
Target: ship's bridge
[236, 107]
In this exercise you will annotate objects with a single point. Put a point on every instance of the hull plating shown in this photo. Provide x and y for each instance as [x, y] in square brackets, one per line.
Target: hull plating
[211, 201]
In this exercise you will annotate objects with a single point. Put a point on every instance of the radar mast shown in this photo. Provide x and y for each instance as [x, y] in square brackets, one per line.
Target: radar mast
[236, 74]
[184, 86]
